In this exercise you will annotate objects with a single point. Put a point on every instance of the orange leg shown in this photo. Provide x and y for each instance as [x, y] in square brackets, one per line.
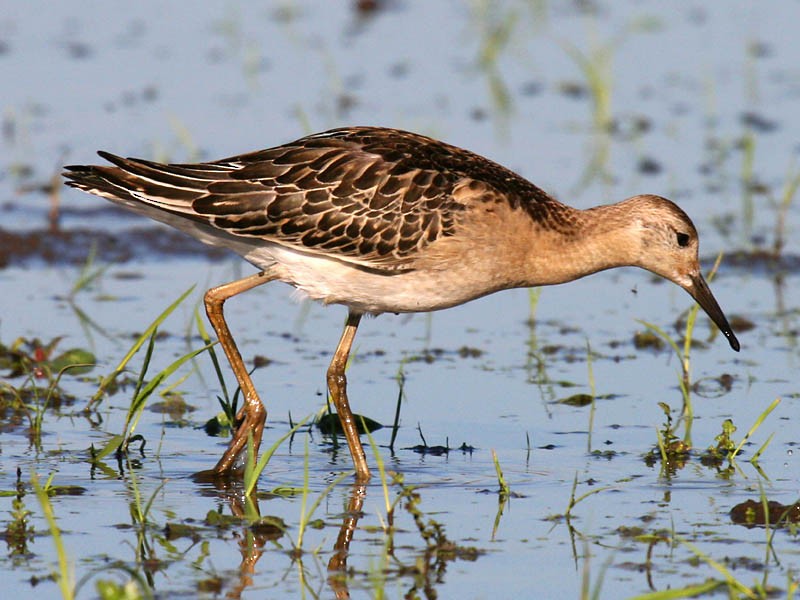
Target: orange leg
[337, 384]
[252, 415]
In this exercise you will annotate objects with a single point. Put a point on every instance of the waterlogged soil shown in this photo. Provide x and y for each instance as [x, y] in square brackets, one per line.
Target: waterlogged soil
[567, 386]
[60, 247]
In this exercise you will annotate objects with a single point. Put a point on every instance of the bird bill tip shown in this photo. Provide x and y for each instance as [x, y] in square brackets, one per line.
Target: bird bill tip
[700, 291]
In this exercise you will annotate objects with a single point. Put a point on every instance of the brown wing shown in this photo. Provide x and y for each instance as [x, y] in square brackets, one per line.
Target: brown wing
[368, 195]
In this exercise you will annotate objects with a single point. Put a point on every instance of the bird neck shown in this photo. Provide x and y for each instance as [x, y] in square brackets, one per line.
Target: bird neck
[596, 239]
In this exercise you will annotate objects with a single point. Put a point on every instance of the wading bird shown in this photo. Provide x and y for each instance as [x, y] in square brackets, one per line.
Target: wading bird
[383, 220]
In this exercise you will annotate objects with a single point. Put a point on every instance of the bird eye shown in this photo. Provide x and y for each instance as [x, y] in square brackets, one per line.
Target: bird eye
[683, 239]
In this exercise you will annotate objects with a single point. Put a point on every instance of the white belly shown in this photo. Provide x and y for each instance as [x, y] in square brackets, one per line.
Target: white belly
[364, 290]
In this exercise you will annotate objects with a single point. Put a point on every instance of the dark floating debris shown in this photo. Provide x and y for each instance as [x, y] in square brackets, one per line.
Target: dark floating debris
[329, 424]
[751, 514]
[647, 339]
[649, 166]
[577, 400]
[572, 89]
[430, 450]
[758, 122]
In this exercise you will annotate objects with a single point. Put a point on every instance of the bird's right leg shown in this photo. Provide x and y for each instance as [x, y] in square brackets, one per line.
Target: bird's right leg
[252, 415]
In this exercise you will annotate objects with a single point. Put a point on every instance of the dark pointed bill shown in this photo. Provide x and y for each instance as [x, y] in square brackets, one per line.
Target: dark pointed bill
[702, 293]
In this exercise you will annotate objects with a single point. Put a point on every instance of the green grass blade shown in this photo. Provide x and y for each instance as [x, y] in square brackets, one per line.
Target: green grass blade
[149, 504]
[756, 425]
[721, 569]
[148, 355]
[305, 515]
[593, 393]
[504, 491]
[253, 473]
[763, 447]
[690, 591]
[381, 468]
[136, 345]
[88, 274]
[301, 527]
[315, 505]
[137, 406]
[663, 335]
[111, 446]
[64, 576]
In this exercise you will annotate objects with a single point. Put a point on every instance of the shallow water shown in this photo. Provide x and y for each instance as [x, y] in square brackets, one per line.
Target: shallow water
[703, 99]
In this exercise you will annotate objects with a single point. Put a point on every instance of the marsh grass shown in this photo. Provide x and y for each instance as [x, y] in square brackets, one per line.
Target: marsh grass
[504, 491]
[390, 506]
[593, 393]
[439, 550]
[307, 513]
[758, 422]
[495, 29]
[566, 518]
[782, 205]
[139, 582]
[503, 494]
[675, 452]
[401, 381]
[35, 361]
[536, 362]
[729, 580]
[494, 32]
[596, 66]
[726, 579]
[19, 531]
[228, 404]
[254, 467]
[382, 475]
[88, 275]
[109, 379]
[140, 517]
[589, 592]
[144, 388]
[684, 356]
[35, 400]
[439, 547]
[574, 501]
[64, 576]
[36, 410]
[689, 591]
[140, 510]
[133, 589]
[747, 145]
